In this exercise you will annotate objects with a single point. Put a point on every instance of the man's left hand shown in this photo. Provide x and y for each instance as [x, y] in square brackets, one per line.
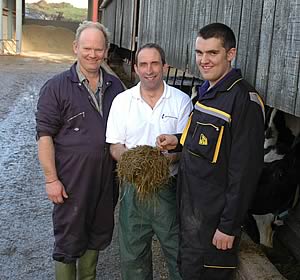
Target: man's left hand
[222, 240]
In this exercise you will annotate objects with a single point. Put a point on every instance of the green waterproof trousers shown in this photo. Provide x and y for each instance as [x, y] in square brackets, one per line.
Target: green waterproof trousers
[138, 222]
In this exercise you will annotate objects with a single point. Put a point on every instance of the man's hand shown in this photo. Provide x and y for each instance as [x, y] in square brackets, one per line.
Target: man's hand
[222, 241]
[56, 192]
[166, 142]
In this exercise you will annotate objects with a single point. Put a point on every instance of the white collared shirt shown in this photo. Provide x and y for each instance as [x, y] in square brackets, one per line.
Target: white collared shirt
[133, 122]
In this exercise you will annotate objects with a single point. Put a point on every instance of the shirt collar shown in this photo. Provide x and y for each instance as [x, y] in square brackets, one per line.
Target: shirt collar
[137, 93]
[83, 79]
[204, 88]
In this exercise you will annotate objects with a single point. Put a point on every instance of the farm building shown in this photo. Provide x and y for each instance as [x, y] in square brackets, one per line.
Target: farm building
[12, 19]
[11, 25]
[267, 31]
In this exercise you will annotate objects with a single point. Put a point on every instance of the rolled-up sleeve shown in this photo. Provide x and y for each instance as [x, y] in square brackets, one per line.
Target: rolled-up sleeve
[48, 115]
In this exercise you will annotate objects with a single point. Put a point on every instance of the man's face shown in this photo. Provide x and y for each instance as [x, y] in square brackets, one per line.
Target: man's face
[90, 50]
[212, 59]
[149, 69]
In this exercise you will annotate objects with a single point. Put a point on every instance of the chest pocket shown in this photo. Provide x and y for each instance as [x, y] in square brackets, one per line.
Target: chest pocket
[205, 131]
[75, 122]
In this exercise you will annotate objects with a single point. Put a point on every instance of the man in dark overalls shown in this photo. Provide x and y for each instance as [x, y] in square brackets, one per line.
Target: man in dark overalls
[71, 123]
[221, 161]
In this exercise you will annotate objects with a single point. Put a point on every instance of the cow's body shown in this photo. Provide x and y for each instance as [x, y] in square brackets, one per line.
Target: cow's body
[277, 188]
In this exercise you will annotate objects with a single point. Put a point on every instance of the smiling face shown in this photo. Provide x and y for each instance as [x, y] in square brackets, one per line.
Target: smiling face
[149, 68]
[90, 50]
[212, 59]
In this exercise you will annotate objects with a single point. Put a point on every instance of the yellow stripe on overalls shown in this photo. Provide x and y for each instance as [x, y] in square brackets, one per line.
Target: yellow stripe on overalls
[222, 267]
[215, 112]
[185, 131]
[238, 80]
[217, 150]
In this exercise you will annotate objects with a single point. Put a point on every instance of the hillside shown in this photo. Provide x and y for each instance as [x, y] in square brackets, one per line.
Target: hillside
[55, 11]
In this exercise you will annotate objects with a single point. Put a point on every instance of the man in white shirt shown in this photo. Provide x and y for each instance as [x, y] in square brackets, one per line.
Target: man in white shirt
[137, 117]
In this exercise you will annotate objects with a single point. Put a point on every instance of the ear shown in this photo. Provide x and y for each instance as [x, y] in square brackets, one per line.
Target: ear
[75, 47]
[231, 54]
[135, 68]
[165, 68]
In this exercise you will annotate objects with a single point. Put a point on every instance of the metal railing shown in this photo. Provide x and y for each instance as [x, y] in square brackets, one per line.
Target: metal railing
[182, 80]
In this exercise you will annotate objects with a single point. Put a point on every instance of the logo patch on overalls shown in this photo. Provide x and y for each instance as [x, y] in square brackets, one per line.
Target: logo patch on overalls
[203, 140]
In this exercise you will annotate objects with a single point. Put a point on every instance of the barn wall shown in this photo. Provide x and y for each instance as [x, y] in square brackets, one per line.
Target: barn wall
[119, 17]
[109, 18]
[267, 31]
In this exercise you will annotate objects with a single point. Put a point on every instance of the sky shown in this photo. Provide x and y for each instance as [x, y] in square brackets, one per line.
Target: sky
[75, 3]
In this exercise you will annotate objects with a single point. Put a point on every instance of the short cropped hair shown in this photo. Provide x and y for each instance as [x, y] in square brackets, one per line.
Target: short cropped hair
[152, 46]
[219, 31]
[90, 24]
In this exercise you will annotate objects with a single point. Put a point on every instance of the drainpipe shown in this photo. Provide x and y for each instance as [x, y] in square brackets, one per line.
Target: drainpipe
[95, 10]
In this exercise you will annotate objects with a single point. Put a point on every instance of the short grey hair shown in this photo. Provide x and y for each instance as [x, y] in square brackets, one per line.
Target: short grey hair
[97, 25]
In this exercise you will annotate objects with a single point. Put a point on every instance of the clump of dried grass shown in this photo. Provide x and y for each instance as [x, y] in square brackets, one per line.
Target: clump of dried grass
[146, 168]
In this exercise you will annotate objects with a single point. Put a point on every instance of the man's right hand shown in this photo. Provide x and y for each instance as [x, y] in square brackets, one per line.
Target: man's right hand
[56, 192]
[166, 142]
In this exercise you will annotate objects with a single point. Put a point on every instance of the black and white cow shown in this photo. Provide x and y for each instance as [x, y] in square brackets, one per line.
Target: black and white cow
[277, 190]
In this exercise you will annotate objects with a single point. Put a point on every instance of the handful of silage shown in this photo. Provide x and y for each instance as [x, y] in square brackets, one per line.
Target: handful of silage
[146, 168]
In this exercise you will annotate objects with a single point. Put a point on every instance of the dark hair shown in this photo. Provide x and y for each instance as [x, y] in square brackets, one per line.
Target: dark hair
[152, 46]
[219, 31]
